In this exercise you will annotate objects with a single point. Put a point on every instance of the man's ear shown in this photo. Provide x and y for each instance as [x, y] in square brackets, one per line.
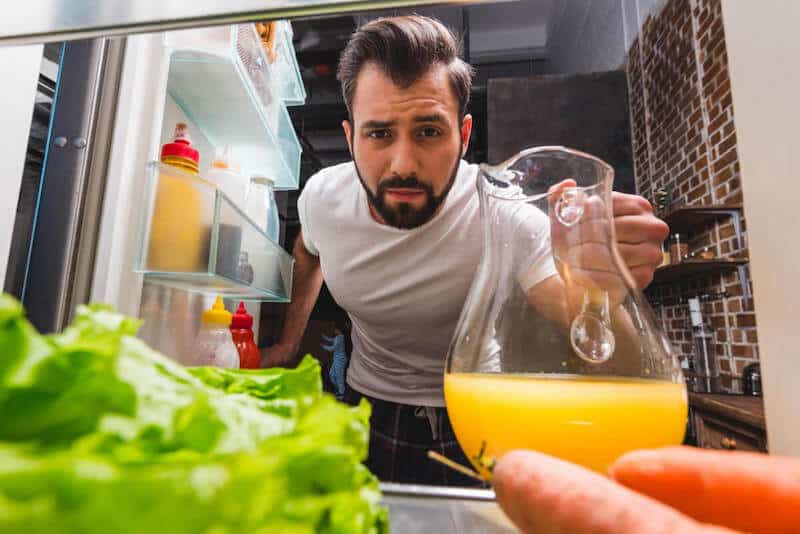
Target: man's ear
[466, 131]
[348, 133]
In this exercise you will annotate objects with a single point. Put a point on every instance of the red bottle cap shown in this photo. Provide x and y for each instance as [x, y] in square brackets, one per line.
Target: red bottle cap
[242, 319]
[181, 145]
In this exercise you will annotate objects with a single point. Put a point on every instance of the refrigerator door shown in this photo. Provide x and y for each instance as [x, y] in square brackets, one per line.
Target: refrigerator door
[135, 141]
[70, 197]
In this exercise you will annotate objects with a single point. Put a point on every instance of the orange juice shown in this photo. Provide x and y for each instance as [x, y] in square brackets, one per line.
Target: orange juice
[585, 420]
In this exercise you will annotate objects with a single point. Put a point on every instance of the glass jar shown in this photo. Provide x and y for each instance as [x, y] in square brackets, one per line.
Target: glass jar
[261, 206]
[678, 248]
[245, 271]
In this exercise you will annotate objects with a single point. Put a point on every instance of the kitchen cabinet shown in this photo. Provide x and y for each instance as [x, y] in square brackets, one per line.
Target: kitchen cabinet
[729, 422]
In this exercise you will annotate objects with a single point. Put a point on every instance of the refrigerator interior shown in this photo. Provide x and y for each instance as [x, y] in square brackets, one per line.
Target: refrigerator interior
[185, 77]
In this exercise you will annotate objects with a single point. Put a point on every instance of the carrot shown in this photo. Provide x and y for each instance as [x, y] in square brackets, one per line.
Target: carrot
[541, 494]
[744, 491]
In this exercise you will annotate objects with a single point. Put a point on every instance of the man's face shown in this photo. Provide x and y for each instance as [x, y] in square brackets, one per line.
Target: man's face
[406, 144]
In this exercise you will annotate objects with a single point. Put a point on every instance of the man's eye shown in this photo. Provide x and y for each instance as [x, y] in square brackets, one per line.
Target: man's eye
[379, 134]
[430, 132]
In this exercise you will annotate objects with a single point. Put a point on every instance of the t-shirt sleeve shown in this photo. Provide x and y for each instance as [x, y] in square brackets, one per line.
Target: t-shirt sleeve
[538, 267]
[306, 225]
[529, 229]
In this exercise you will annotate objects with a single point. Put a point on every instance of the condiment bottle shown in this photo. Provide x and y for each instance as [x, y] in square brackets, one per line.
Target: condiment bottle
[242, 333]
[180, 153]
[214, 343]
[177, 231]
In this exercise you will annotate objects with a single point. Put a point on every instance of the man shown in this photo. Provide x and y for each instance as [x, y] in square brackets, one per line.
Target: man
[396, 235]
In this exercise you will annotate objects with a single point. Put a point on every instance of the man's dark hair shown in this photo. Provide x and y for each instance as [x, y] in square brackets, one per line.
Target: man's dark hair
[406, 47]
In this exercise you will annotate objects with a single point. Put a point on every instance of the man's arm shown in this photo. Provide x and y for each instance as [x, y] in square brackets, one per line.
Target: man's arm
[306, 285]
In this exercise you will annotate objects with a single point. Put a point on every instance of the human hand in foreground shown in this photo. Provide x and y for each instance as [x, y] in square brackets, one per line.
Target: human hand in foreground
[676, 489]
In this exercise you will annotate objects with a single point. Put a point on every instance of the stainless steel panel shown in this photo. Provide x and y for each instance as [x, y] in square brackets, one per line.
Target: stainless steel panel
[56, 20]
[426, 509]
[70, 200]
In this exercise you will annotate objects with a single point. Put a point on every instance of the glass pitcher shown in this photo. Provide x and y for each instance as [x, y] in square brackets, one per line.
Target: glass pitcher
[556, 349]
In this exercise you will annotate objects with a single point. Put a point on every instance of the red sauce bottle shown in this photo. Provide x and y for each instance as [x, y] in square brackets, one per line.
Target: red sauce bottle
[242, 333]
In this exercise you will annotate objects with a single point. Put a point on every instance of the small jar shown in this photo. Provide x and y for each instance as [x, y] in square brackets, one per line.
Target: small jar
[678, 248]
[706, 253]
[245, 270]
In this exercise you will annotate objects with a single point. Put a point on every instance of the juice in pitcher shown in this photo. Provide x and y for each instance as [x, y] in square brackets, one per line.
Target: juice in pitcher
[586, 420]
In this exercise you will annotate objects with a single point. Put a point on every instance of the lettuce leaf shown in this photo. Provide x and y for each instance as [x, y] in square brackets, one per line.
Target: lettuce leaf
[100, 433]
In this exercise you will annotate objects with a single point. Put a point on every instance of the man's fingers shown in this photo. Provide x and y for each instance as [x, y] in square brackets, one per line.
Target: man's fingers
[745, 491]
[596, 230]
[625, 204]
[586, 246]
[642, 260]
[643, 254]
[542, 494]
[640, 228]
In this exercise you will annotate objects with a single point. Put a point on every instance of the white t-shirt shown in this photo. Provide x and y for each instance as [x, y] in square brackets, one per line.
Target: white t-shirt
[403, 289]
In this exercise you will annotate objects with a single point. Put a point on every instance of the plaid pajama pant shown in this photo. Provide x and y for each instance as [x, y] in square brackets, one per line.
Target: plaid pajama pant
[401, 436]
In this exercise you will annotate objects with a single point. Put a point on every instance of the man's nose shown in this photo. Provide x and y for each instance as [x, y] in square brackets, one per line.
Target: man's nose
[405, 160]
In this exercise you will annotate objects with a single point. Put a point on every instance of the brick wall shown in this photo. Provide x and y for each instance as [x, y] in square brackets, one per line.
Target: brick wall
[684, 138]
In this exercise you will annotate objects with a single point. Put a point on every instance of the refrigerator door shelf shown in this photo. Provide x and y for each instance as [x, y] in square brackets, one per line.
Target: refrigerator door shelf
[194, 238]
[286, 71]
[221, 79]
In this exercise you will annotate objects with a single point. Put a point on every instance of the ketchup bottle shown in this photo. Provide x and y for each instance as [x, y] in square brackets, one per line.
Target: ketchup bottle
[242, 333]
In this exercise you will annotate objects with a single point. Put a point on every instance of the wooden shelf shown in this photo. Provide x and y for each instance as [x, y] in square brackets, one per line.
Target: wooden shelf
[678, 271]
[689, 219]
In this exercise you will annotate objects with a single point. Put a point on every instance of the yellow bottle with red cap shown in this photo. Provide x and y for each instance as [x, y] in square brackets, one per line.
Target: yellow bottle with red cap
[178, 234]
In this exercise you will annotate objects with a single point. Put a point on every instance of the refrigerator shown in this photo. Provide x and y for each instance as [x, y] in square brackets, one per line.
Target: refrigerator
[111, 243]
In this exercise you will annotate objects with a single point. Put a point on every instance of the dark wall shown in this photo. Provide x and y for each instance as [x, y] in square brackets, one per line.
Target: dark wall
[588, 112]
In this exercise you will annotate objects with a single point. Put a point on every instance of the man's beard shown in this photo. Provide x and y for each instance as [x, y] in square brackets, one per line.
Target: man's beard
[403, 215]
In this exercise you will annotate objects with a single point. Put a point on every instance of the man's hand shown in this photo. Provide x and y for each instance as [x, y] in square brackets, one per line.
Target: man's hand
[639, 236]
[583, 251]
[277, 356]
[678, 489]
